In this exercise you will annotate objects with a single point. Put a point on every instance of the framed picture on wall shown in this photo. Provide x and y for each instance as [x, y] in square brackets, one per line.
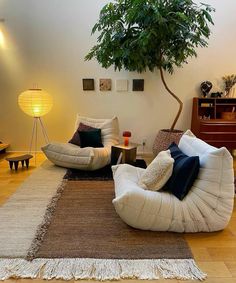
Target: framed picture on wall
[121, 85]
[88, 84]
[138, 85]
[105, 84]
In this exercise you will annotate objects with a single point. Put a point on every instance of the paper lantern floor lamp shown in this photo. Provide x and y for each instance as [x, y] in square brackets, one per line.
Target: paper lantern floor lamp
[36, 103]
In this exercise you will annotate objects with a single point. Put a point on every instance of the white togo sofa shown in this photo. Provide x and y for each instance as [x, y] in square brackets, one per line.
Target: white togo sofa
[207, 207]
[88, 158]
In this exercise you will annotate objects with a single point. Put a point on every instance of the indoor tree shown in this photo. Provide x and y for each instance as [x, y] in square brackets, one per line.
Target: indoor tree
[140, 35]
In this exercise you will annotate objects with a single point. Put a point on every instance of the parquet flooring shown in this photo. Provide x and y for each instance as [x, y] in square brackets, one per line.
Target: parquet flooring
[215, 253]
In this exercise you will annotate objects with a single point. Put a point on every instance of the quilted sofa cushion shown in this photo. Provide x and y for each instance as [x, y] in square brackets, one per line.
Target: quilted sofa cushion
[207, 207]
[109, 128]
[72, 156]
[68, 155]
[87, 158]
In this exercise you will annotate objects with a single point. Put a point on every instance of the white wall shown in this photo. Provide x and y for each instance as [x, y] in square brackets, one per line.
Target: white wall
[46, 44]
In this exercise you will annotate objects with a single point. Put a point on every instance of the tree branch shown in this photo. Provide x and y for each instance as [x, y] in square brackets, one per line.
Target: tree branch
[174, 96]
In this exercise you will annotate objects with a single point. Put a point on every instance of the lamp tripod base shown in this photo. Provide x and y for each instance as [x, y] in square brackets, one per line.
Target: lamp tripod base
[38, 123]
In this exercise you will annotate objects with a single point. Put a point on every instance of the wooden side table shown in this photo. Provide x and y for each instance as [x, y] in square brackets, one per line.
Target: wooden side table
[124, 154]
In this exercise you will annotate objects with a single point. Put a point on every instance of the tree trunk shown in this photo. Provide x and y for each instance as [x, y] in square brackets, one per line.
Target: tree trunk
[175, 97]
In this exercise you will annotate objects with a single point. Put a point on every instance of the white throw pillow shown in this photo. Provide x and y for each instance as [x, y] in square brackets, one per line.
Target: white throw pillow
[158, 172]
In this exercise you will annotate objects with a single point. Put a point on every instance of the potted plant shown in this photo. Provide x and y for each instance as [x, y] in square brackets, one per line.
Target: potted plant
[140, 35]
[229, 81]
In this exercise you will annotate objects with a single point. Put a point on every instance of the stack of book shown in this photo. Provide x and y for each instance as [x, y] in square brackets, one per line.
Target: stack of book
[206, 104]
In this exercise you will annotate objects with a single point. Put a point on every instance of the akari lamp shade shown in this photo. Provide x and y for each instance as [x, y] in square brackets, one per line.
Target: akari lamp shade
[35, 102]
[126, 135]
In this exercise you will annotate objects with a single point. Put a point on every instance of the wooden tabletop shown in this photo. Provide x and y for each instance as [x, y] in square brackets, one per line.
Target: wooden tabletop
[19, 157]
[130, 146]
[3, 146]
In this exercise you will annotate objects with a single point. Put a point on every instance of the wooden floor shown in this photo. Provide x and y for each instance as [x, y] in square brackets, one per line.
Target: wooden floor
[215, 253]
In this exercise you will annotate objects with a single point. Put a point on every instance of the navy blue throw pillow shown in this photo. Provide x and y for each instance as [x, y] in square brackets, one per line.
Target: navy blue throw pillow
[185, 172]
[83, 128]
[91, 138]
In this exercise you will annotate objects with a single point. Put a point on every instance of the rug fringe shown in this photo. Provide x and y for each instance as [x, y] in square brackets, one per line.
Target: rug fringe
[100, 269]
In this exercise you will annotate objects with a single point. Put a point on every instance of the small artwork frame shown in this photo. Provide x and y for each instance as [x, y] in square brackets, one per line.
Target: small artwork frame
[138, 85]
[121, 85]
[105, 84]
[88, 84]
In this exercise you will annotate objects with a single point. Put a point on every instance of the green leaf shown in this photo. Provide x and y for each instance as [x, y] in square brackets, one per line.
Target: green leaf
[137, 35]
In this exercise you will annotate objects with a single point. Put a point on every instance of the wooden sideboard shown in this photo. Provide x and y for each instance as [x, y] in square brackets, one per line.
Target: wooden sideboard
[214, 122]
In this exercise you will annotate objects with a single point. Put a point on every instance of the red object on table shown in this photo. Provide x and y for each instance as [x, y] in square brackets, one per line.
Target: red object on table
[126, 135]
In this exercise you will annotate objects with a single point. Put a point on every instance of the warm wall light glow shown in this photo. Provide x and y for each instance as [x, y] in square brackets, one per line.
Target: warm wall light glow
[35, 102]
[10, 55]
[2, 39]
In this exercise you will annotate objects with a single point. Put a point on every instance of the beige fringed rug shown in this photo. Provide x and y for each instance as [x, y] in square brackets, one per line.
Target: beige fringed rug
[81, 237]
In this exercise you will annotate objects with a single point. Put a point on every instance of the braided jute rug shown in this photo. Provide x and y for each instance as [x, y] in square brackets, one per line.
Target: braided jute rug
[80, 236]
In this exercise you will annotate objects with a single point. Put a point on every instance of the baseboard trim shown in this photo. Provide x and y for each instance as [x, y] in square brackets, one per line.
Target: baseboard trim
[23, 151]
[145, 154]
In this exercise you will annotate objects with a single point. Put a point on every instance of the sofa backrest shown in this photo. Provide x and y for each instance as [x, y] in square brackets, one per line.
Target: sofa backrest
[192, 146]
[109, 128]
[217, 162]
[214, 186]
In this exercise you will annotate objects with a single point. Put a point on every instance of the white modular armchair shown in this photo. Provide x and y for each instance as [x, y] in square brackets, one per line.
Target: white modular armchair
[207, 207]
[88, 158]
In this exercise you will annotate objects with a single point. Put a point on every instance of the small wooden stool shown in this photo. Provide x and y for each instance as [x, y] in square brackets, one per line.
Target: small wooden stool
[22, 158]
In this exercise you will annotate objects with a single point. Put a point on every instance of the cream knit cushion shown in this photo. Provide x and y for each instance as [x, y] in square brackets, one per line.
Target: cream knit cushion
[158, 172]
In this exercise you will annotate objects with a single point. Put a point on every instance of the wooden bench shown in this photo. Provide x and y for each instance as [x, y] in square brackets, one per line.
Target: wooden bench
[21, 158]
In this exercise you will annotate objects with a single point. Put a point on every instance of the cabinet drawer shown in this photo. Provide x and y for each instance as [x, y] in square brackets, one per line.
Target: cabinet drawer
[218, 136]
[217, 127]
[228, 144]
